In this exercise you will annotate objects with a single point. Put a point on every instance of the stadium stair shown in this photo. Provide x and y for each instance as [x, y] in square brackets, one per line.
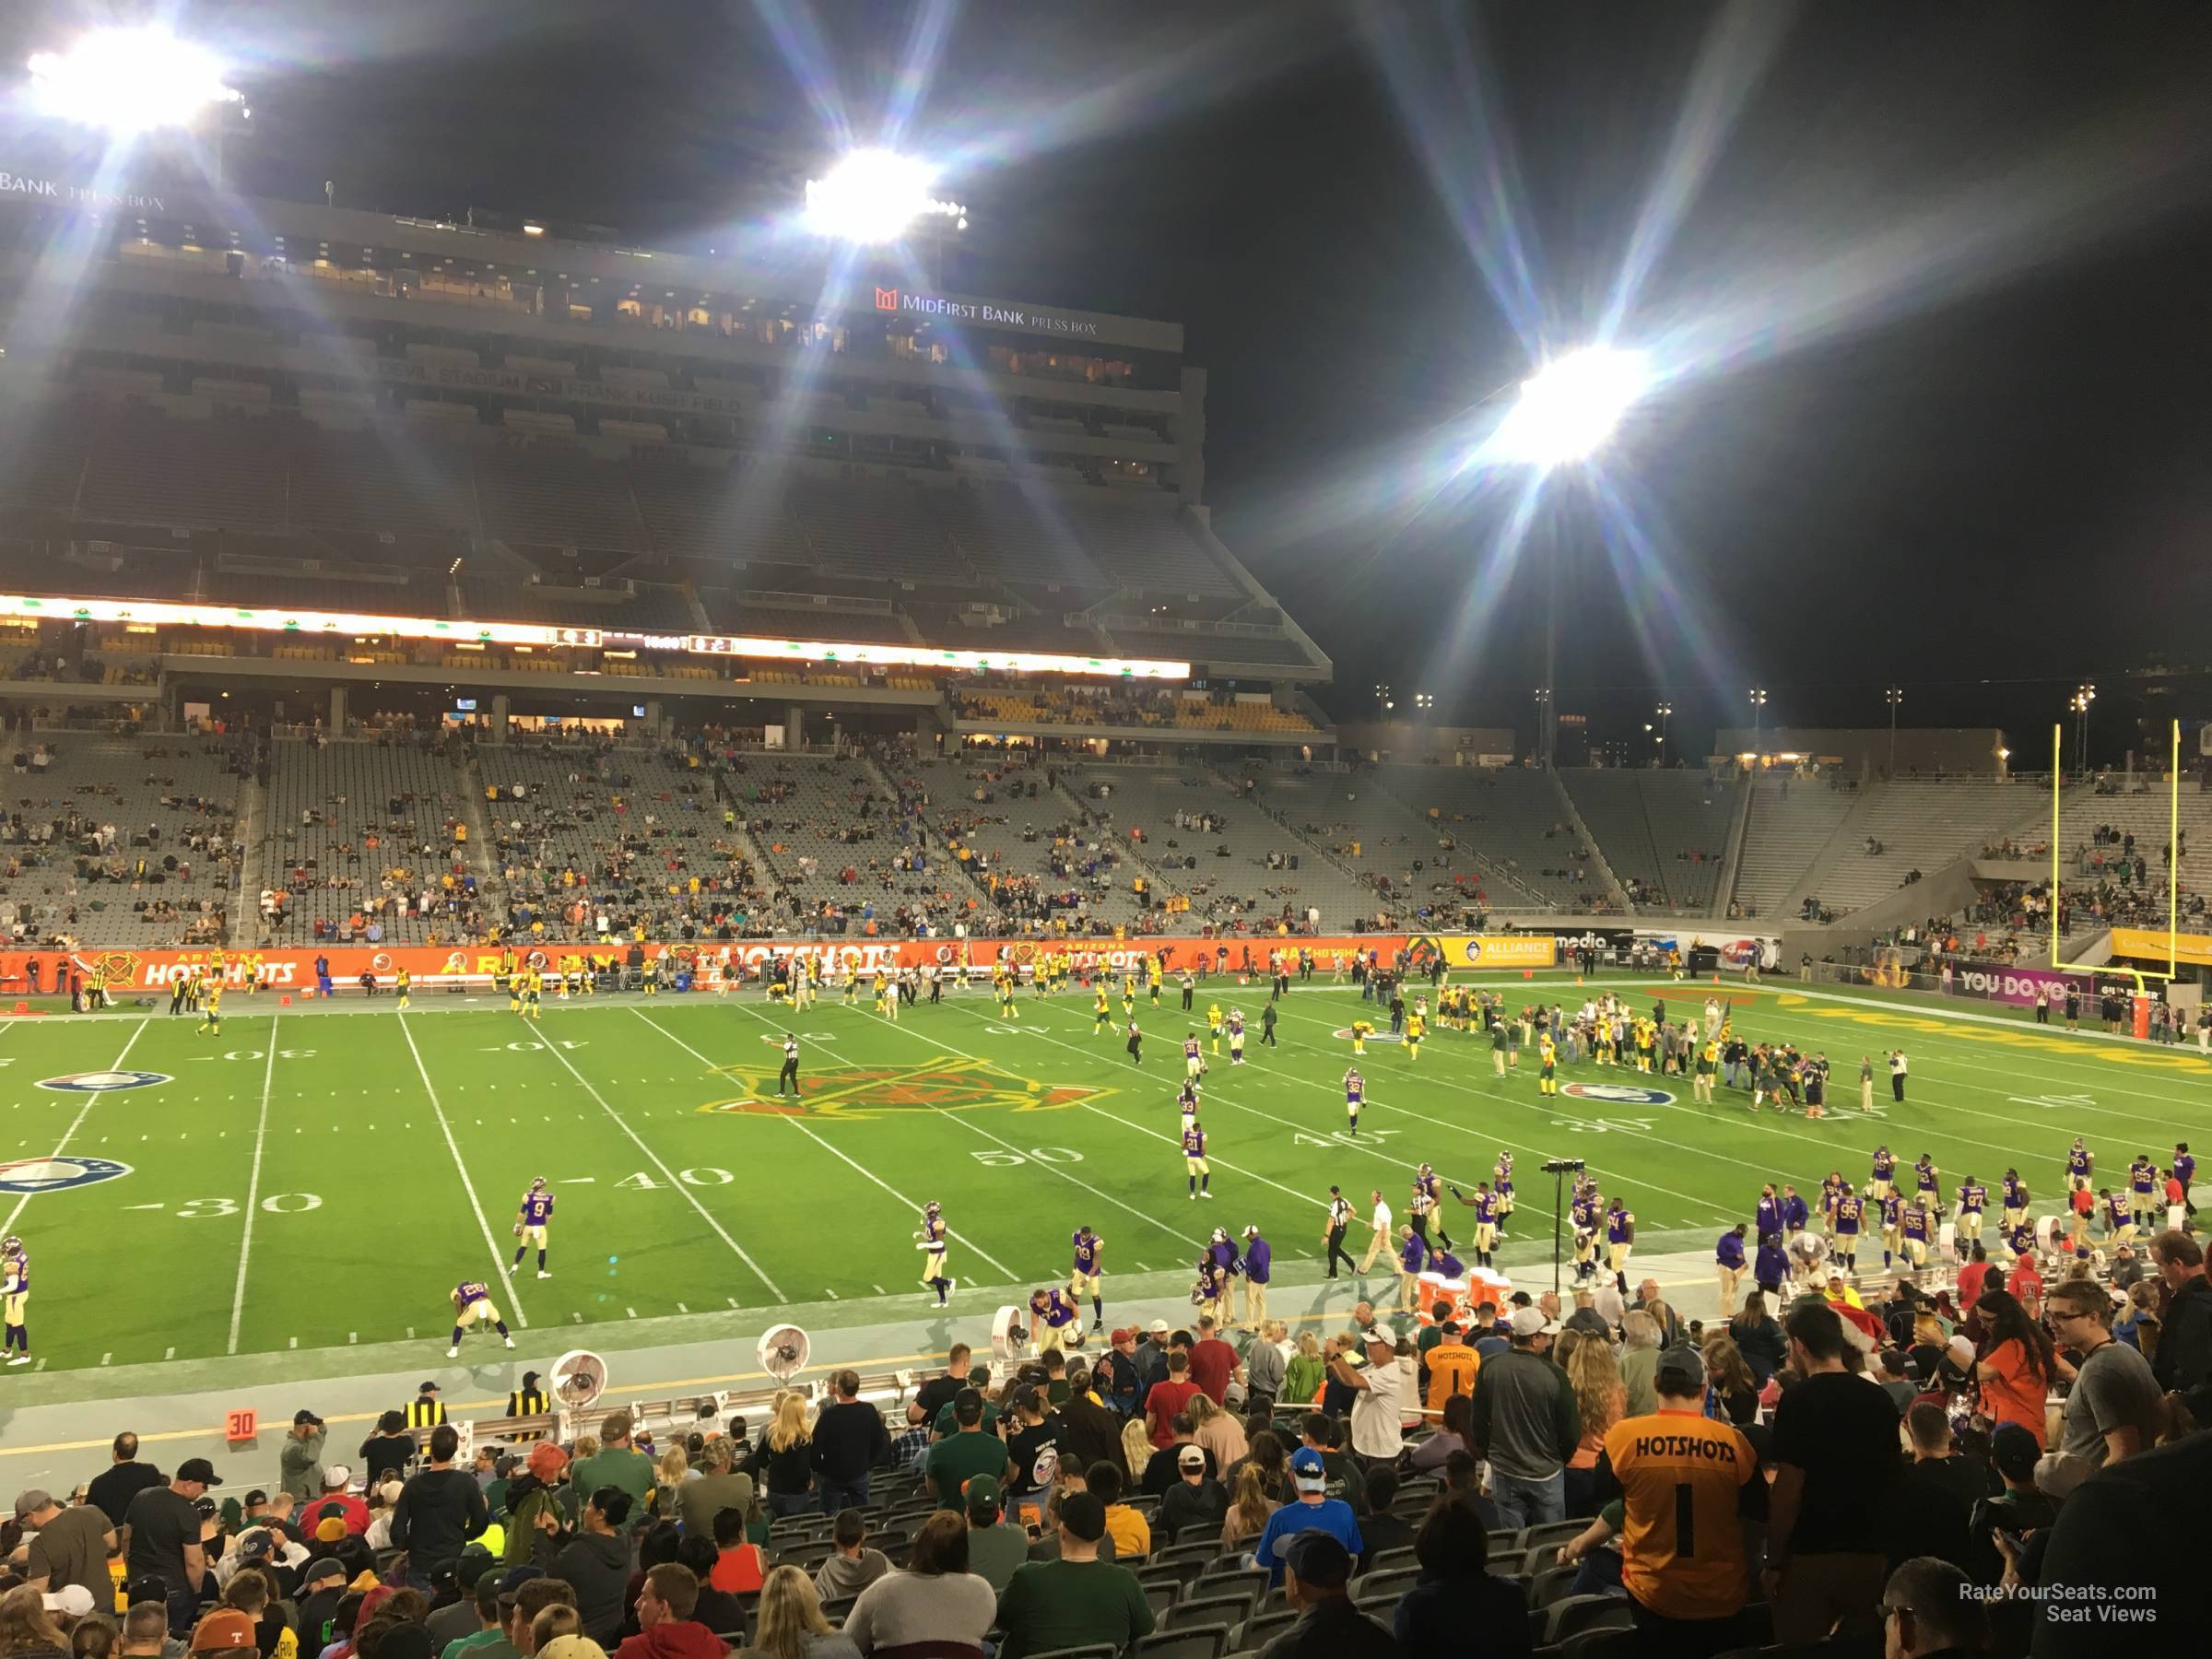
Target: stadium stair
[1923, 824]
[1614, 892]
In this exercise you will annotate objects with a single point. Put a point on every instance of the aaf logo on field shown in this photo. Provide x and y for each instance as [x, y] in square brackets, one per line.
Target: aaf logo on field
[52, 1174]
[1618, 1094]
[1345, 1033]
[101, 1082]
[874, 1091]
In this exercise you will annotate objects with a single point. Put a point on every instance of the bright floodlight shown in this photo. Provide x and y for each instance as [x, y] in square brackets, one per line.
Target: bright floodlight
[128, 80]
[873, 196]
[1571, 405]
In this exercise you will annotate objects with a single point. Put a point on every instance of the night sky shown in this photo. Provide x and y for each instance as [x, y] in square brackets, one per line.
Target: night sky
[1935, 292]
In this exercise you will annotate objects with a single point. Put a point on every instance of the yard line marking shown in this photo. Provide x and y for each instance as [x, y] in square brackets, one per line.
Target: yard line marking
[105, 1358]
[350, 1337]
[76, 1122]
[291, 1342]
[879, 1290]
[631, 1312]
[261, 1130]
[499, 1262]
[859, 1169]
[682, 1309]
[689, 1197]
[171, 1354]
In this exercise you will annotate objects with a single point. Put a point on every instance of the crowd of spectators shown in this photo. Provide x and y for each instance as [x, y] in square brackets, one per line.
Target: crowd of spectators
[1951, 1461]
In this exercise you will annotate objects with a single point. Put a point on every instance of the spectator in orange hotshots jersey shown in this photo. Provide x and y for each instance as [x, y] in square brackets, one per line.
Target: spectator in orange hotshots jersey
[1684, 1480]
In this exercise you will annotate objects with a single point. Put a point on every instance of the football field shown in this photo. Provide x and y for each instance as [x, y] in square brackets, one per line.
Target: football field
[255, 1205]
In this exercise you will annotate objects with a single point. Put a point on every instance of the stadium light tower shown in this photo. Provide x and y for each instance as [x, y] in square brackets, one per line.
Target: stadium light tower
[132, 81]
[1662, 710]
[2083, 696]
[1570, 405]
[1758, 706]
[871, 196]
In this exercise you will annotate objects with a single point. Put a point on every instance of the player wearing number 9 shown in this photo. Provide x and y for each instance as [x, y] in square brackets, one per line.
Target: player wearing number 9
[1681, 1477]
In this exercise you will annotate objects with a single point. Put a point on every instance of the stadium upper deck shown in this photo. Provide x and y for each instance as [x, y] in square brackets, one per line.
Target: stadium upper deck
[344, 411]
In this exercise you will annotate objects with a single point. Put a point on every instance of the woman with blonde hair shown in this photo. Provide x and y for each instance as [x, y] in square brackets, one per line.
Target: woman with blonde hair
[673, 1470]
[1730, 1379]
[789, 1624]
[785, 1457]
[1248, 1509]
[1218, 1431]
[1602, 1398]
[27, 1629]
[1304, 1371]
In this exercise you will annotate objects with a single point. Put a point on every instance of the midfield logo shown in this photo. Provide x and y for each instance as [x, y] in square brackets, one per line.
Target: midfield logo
[877, 1091]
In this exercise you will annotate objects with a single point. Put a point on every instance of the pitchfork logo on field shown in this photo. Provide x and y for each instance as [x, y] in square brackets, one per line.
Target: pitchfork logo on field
[876, 1092]
[1617, 1094]
[52, 1174]
[101, 1082]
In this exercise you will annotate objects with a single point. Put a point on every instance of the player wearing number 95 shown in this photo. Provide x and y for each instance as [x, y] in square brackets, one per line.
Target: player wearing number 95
[531, 1222]
[472, 1301]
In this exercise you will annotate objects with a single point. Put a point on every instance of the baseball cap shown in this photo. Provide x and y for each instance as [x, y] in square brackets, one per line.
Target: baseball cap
[1122, 1334]
[224, 1628]
[73, 1600]
[199, 1469]
[321, 1568]
[1307, 1470]
[981, 1495]
[1376, 1334]
[1681, 1371]
[304, 1416]
[1082, 1515]
[1190, 1457]
[1159, 1327]
[330, 1529]
[1530, 1322]
[511, 1584]
[31, 1500]
[336, 1477]
[426, 1387]
[2012, 1450]
[1319, 1560]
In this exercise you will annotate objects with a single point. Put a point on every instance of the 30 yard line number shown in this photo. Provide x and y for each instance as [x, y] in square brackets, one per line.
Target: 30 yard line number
[276, 1203]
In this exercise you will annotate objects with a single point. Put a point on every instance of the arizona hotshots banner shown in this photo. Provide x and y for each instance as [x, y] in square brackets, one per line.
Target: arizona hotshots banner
[306, 970]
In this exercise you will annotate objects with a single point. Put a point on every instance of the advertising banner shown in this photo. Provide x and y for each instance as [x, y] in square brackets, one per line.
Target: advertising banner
[2141, 945]
[1486, 950]
[2005, 983]
[302, 968]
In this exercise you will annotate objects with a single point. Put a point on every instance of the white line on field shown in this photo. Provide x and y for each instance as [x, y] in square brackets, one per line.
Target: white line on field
[261, 1130]
[499, 1262]
[689, 1197]
[75, 1122]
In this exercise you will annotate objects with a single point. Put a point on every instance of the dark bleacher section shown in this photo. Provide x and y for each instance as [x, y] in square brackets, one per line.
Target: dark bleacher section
[1009, 538]
[449, 501]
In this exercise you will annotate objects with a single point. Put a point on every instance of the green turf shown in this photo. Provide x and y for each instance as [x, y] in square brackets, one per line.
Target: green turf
[361, 1152]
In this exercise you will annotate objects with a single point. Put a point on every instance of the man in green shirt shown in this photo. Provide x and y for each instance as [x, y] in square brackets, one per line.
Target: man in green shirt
[967, 1450]
[1076, 1601]
[616, 1463]
[979, 1379]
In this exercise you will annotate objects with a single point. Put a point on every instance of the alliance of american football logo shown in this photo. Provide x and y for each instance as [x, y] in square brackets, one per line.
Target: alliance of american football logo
[874, 1091]
[1617, 1094]
[55, 1174]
